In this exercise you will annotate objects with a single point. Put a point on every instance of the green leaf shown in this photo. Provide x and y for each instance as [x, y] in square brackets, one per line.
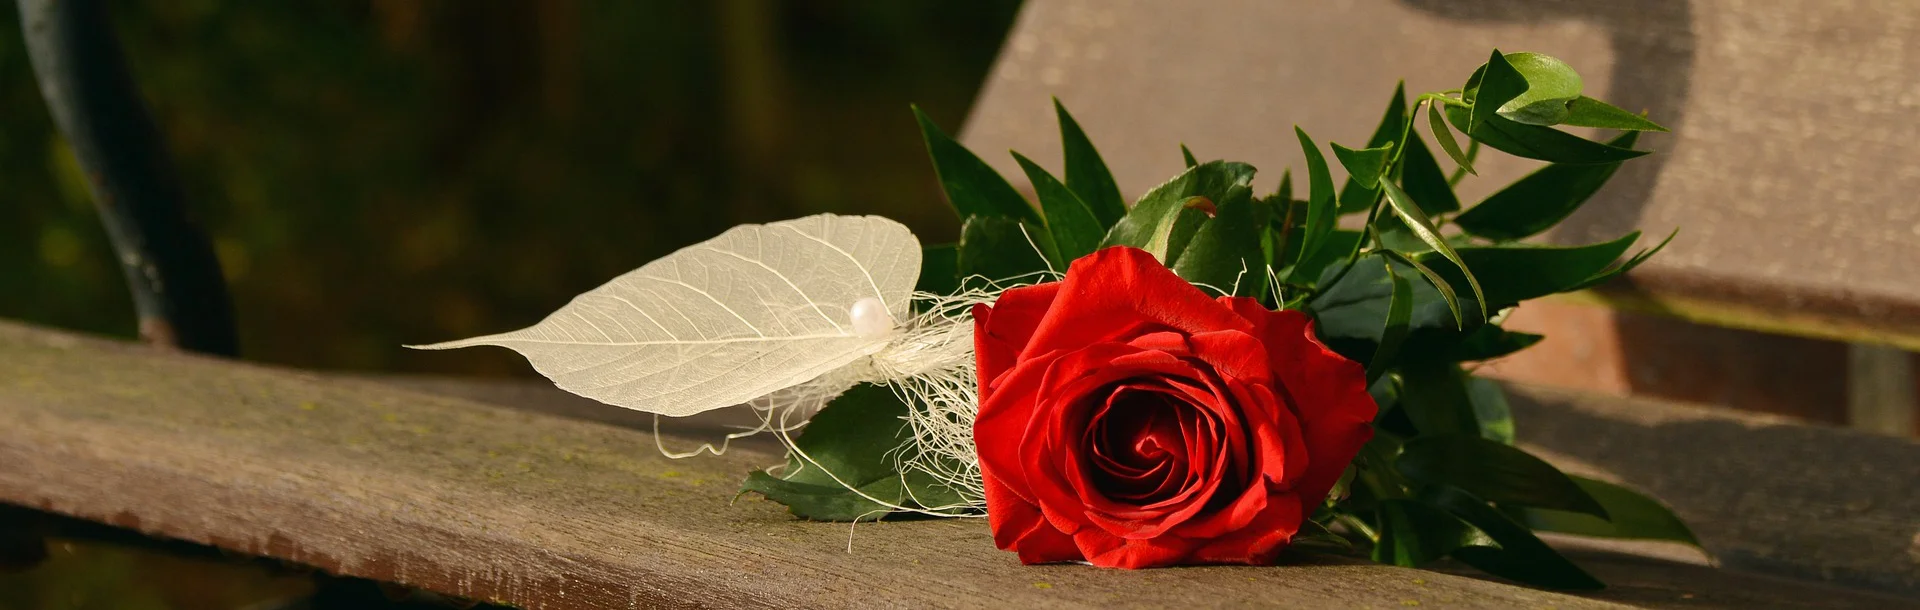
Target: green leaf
[1434, 396]
[1072, 225]
[1421, 176]
[1488, 469]
[1186, 226]
[1187, 155]
[1619, 269]
[1490, 409]
[1351, 312]
[1087, 174]
[845, 444]
[1283, 192]
[1337, 244]
[1321, 209]
[1151, 224]
[939, 269]
[1487, 342]
[1520, 556]
[1423, 228]
[1536, 142]
[1368, 164]
[1003, 250]
[1413, 533]
[1551, 84]
[1444, 135]
[1399, 314]
[1589, 112]
[1630, 515]
[971, 185]
[1225, 253]
[1499, 83]
[1540, 200]
[1515, 273]
[1357, 194]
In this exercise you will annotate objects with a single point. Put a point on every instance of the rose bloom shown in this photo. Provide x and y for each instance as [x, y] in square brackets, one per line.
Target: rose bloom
[1128, 420]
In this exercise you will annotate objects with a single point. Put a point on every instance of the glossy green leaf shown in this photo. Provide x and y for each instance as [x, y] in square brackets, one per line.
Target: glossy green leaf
[939, 269]
[1421, 176]
[1551, 85]
[1511, 274]
[1520, 556]
[1351, 313]
[1225, 253]
[1490, 409]
[1434, 397]
[1337, 244]
[1087, 174]
[1499, 83]
[1589, 112]
[1151, 224]
[1630, 515]
[1005, 251]
[1444, 135]
[1368, 164]
[1536, 142]
[1413, 533]
[1423, 228]
[1187, 155]
[1540, 200]
[846, 444]
[1186, 225]
[1358, 194]
[972, 187]
[1488, 342]
[1492, 470]
[1071, 224]
[1399, 314]
[1625, 266]
[1321, 210]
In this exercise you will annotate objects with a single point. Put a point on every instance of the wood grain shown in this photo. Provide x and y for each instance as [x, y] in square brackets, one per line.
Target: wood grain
[545, 508]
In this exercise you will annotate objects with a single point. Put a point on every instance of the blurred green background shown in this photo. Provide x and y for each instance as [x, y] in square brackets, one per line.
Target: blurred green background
[384, 172]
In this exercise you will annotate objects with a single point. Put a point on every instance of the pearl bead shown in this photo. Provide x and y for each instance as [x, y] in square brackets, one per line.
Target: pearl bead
[870, 318]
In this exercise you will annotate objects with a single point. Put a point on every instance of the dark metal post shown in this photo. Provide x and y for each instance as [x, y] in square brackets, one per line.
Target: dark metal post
[169, 263]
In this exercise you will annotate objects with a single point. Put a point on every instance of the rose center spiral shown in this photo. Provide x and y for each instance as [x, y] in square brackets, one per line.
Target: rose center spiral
[1147, 444]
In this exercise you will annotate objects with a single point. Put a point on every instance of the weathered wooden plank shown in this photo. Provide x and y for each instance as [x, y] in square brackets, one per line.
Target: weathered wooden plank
[1773, 105]
[525, 507]
[1762, 493]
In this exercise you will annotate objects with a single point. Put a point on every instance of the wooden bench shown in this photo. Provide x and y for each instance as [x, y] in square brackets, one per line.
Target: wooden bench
[1789, 171]
[518, 494]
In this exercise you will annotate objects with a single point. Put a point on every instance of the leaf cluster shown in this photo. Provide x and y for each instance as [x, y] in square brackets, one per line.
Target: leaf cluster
[1399, 274]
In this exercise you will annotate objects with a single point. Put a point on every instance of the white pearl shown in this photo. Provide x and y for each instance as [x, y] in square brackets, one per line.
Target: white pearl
[870, 318]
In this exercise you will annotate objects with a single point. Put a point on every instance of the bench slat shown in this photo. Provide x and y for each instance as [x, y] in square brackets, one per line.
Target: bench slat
[525, 507]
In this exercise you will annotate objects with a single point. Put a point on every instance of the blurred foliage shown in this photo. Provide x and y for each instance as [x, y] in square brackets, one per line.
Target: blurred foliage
[387, 172]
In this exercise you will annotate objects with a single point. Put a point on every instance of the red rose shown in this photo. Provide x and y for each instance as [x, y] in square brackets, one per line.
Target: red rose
[1128, 420]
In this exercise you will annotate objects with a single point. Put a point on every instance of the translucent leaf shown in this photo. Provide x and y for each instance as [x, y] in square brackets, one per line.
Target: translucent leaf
[758, 309]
